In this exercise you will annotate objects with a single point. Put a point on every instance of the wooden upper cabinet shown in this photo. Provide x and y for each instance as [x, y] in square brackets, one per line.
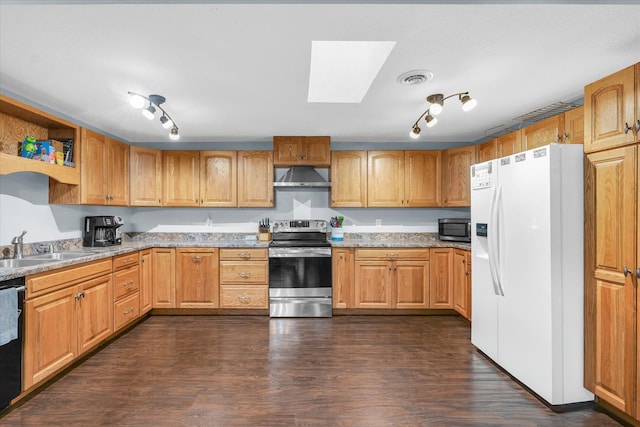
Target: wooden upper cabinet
[488, 150]
[118, 174]
[255, 179]
[301, 150]
[218, 179]
[349, 179]
[385, 178]
[610, 112]
[422, 187]
[457, 175]
[145, 176]
[574, 126]
[94, 168]
[181, 178]
[104, 177]
[509, 144]
[544, 132]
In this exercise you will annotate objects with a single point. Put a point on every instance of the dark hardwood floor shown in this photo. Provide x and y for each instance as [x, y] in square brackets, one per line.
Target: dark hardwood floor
[256, 371]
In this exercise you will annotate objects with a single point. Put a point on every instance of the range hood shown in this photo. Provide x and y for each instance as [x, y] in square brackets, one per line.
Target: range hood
[302, 176]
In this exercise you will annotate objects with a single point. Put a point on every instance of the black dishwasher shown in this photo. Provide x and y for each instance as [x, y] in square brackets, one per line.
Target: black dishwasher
[11, 352]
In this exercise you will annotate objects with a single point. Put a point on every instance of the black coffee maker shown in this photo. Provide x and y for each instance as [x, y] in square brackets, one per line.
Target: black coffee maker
[102, 231]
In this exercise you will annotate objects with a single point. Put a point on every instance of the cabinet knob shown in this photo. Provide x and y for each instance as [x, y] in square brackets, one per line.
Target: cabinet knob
[626, 271]
[244, 275]
[627, 128]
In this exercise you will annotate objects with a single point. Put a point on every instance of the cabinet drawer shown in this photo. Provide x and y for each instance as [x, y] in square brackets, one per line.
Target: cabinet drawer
[126, 310]
[49, 281]
[393, 253]
[236, 272]
[244, 254]
[126, 282]
[239, 296]
[125, 261]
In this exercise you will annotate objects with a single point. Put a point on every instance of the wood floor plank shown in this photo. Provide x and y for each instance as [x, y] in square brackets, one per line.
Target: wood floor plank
[256, 371]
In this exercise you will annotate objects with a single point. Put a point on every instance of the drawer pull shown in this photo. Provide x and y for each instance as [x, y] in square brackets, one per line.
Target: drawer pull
[392, 255]
[129, 283]
[244, 299]
[244, 255]
[128, 311]
[128, 260]
[244, 275]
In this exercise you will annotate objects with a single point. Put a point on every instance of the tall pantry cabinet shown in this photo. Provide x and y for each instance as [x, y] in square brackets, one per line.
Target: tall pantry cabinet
[612, 230]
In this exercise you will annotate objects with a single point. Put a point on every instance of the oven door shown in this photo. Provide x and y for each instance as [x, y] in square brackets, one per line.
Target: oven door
[300, 282]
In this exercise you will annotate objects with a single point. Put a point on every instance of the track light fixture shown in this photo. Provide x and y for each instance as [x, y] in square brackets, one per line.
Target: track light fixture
[154, 101]
[437, 103]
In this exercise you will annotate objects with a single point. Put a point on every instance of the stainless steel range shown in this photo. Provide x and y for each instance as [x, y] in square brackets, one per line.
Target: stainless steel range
[300, 283]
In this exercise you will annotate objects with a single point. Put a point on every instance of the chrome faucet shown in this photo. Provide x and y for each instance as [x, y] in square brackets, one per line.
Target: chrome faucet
[17, 245]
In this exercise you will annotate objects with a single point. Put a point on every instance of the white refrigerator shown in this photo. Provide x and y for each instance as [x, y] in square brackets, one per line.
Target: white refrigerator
[527, 275]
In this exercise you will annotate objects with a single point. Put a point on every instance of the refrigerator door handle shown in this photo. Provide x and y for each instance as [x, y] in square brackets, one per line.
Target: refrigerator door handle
[492, 242]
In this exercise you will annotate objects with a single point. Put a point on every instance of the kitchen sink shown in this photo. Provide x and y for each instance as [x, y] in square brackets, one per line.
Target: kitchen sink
[58, 256]
[22, 262]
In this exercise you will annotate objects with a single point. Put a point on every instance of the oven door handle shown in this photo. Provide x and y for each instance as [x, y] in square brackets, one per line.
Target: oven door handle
[299, 252]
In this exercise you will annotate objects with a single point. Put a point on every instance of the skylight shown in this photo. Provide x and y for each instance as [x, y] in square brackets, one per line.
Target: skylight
[343, 71]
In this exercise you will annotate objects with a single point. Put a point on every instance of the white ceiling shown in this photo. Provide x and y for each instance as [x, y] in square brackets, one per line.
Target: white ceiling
[239, 71]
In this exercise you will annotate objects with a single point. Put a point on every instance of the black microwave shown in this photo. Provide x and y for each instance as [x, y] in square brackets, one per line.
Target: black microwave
[454, 229]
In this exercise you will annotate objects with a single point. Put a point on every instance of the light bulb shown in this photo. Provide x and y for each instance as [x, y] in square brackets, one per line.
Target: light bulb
[431, 121]
[468, 103]
[149, 112]
[415, 133]
[174, 135]
[136, 101]
[166, 122]
[436, 109]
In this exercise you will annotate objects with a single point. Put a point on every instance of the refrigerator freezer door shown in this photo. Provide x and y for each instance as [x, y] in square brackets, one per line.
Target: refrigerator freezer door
[484, 310]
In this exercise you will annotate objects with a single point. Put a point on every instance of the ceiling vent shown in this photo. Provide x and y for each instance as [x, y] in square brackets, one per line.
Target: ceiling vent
[415, 77]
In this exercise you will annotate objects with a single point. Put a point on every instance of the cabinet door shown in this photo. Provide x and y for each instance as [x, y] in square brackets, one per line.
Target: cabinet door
[218, 179]
[544, 132]
[93, 168]
[181, 178]
[316, 151]
[145, 176]
[349, 179]
[608, 107]
[385, 178]
[461, 282]
[255, 179]
[373, 284]
[457, 175]
[146, 281]
[164, 277]
[118, 173]
[197, 278]
[574, 126]
[509, 144]
[488, 150]
[610, 294]
[286, 150]
[441, 289]
[411, 284]
[95, 312]
[342, 270]
[51, 335]
[423, 180]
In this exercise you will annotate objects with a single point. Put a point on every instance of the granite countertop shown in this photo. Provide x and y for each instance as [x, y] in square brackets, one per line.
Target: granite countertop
[139, 241]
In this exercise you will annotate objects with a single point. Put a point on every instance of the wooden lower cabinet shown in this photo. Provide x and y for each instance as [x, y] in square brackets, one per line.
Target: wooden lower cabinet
[164, 277]
[343, 277]
[441, 295]
[611, 260]
[196, 281]
[64, 319]
[462, 282]
[126, 289]
[391, 278]
[146, 281]
[244, 278]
